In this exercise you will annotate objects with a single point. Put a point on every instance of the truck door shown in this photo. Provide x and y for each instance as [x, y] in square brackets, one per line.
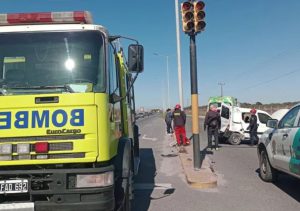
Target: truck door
[115, 108]
[225, 113]
[283, 137]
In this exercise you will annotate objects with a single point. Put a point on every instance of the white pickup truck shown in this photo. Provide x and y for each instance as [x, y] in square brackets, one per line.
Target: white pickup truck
[279, 147]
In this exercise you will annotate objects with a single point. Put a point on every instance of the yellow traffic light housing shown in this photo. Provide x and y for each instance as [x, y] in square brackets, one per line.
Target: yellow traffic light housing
[199, 16]
[187, 12]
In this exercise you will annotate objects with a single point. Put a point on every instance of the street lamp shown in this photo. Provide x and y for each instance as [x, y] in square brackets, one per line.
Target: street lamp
[168, 80]
[178, 55]
[221, 84]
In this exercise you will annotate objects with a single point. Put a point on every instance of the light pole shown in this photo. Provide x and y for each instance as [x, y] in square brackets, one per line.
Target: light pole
[221, 84]
[193, 23]
[178, 55]
[168, 80]
[163, 96]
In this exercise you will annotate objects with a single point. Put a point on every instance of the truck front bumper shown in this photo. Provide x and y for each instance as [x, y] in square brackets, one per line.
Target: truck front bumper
[54, 189]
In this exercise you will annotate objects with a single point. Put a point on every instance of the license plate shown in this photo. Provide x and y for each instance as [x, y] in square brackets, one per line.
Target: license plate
[13, 186]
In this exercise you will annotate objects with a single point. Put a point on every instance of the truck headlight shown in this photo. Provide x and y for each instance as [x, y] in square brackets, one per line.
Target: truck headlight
[23, 148]
[95, 180]
[5, 149]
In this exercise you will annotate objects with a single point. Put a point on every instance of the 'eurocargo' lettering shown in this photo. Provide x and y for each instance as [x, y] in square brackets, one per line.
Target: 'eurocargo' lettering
[41, 119]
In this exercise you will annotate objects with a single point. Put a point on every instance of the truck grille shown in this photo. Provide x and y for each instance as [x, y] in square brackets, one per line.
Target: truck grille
[43, 138]
[51, 156]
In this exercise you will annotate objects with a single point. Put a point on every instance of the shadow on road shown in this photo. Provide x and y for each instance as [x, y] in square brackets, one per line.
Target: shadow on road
[290, 185]
[243, 144]
[144, 181]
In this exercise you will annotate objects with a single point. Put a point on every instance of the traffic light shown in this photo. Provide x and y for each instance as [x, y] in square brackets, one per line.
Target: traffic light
[199, 16]
[187, 12]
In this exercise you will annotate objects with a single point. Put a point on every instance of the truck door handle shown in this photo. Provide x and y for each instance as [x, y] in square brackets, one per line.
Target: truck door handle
[44, 100]
[285, 135]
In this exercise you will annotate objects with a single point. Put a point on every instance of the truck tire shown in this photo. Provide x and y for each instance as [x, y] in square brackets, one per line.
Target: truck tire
[136, 143]
[235, 139]
[123, 172]
[266, 172]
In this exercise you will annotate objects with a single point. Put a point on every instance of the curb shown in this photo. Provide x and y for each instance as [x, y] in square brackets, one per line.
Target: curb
[200, 179]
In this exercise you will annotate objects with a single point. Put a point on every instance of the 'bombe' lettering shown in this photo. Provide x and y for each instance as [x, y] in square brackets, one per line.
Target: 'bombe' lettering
[41, 119]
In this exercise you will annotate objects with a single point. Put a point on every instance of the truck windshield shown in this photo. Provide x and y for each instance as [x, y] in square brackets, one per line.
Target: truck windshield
[52, 60]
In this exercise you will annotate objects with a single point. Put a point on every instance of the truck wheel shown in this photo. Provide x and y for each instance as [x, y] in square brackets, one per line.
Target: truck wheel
[235, 139]
[136, 143]
[127, 201]
[266, 172]
[124, 175]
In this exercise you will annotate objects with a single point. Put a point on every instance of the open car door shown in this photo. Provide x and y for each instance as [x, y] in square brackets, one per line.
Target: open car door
[225, 113]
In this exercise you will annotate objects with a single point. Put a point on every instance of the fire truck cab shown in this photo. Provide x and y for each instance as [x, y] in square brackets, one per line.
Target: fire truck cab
[68, 138]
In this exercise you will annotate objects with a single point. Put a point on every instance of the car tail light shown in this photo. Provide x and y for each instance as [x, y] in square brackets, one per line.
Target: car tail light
[41, 147]
[46, 17]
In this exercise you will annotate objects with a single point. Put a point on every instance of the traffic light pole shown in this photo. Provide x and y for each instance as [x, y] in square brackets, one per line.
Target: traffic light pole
[194, 96]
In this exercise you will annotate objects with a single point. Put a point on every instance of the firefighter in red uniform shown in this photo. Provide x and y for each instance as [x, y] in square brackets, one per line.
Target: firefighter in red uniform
[179, 119]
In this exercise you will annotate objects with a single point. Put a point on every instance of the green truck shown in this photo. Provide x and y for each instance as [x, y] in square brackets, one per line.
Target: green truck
[218, 100]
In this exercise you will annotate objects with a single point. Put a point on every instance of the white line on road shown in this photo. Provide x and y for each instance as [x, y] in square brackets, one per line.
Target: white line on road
[147, 138]
[152, 186]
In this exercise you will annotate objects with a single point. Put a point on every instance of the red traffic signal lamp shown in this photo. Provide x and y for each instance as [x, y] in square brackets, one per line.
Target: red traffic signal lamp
[187, 12]
[199, 15]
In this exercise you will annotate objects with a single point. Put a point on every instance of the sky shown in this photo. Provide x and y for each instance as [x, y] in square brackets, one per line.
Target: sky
[253, 47]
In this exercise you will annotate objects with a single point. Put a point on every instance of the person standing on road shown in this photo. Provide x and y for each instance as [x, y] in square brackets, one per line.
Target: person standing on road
[253, 127]
[168, 120]
[179, 120]
[213, 124]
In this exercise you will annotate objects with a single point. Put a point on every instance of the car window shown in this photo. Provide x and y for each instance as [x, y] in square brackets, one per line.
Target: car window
[225, 112]
[289, 119]
[246, 117]
[263, 118]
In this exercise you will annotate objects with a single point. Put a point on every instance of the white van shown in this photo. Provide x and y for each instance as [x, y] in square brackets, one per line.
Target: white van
[235, 121]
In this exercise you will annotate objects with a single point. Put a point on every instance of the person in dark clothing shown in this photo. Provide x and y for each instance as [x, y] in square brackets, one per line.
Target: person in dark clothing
[168, 120]
[253, 127]
[213, 124]
[179, 119]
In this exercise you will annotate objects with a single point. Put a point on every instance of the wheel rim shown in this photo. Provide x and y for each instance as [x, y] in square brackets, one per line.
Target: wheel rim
[263, 163]
[235, 139]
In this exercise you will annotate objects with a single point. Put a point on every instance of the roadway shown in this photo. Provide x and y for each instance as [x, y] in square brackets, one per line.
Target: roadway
[161, 184]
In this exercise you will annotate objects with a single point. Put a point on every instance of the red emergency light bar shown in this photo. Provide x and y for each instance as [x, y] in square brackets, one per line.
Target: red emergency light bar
[46, 17]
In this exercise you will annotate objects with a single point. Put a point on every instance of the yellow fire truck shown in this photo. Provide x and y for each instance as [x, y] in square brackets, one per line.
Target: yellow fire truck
[68, 138]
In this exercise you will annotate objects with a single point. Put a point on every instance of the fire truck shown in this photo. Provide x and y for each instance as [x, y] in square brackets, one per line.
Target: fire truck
[68, 138]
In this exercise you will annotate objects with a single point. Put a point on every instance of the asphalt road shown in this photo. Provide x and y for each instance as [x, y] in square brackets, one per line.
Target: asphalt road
[161, 184]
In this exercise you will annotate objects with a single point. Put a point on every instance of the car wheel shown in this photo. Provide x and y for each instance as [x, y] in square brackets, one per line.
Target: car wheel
[266, 171]
[235, 139]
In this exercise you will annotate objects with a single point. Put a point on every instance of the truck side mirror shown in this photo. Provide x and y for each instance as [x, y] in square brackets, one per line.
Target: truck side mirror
[272, 123]
[114, 98]
[135, 58]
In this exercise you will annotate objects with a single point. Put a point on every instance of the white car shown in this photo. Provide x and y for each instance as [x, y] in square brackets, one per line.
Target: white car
[279, 147]
[235, 121]
[279, 113]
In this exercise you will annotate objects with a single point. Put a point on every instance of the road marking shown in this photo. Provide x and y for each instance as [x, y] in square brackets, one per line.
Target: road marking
[152, 186]
[147, 138]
